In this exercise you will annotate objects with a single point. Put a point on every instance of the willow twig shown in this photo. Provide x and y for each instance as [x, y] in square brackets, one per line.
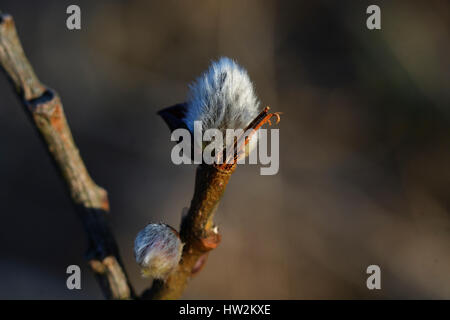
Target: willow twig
[91, 201]
[198, 232]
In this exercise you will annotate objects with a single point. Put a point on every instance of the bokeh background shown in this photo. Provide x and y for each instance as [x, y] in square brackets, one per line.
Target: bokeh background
[365, 151]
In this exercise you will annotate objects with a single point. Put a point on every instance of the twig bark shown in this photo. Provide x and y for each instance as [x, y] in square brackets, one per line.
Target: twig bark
[91, 201]
[198, 232]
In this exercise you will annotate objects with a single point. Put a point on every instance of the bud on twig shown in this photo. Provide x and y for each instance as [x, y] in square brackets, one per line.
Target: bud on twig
[221, 98]
[157, 249]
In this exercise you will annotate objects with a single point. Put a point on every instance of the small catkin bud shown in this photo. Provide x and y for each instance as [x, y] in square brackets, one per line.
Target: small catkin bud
[157, 249]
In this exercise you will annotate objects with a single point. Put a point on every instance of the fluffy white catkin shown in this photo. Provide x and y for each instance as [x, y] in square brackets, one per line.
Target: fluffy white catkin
[157, 249]
[222, 98]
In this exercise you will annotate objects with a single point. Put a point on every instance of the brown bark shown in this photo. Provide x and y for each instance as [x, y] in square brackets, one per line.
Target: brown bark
[91, 201]
[197, 231]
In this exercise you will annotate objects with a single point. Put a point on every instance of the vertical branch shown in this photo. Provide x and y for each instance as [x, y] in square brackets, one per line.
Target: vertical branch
[91, 201]
[198, 232]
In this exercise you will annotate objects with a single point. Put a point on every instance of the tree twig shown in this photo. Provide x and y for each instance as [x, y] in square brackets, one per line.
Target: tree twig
[198, 232]
[91, 201]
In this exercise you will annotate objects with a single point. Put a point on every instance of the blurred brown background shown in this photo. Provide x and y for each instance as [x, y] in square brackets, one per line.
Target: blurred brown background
[365, 151]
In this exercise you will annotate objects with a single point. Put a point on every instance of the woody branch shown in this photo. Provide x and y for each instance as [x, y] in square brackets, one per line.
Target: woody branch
[90, 201]
[198, 231]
